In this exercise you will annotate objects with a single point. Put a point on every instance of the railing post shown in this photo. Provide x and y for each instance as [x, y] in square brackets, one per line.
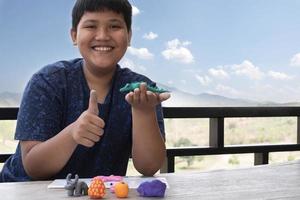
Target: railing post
[168, 165]
[261, 158]
[298, 130]
[216, 132]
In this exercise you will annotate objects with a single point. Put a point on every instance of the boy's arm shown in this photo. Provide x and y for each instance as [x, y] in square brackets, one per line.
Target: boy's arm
[43, 160]
[148, 147]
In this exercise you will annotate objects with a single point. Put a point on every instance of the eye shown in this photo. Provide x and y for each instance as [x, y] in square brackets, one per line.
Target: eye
[115, 26]
[90, 27]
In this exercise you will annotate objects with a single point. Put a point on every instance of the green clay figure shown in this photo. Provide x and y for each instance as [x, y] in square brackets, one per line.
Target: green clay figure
[129, 87]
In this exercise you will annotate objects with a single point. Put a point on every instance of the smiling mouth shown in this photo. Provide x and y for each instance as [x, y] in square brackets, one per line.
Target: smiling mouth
[103, 49]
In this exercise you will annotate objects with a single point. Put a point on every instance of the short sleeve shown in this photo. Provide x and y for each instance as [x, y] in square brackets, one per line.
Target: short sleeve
[160, 120]
[40, 113]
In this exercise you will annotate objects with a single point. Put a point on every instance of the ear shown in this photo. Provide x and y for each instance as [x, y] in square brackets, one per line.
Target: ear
[129, 37]
[73, 33]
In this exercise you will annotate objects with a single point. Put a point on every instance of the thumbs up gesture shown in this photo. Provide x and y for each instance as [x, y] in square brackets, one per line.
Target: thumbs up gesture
[88, 128]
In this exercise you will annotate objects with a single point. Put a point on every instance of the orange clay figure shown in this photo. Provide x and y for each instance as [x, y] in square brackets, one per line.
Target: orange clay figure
[121, 189]
[96, 189]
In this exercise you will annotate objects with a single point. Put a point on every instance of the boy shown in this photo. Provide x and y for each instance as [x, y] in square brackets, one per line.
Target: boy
[73, 118]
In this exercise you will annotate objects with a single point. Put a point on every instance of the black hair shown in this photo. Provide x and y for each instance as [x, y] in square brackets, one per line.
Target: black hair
[119, 6]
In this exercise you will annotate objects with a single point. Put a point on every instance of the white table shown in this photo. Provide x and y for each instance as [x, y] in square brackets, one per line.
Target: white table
[281, 181]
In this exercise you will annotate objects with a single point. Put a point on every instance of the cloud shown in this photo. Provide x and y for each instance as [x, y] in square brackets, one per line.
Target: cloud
[276, 93]
[125, 62]
[186, 43]
[248, 69]
[142, 53]
[204, 80]
[170, 82]
[279, 75]
[218, 73]
[295, 61]
[135, 11]
[177, 51]
[223, 89]
[182, 81]
[150, 36]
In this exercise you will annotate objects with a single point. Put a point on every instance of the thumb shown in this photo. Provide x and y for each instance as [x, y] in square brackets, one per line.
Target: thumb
[164, 96]
[93, 103]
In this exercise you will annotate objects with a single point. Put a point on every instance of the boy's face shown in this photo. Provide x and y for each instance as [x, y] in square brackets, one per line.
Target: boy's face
[102, 39]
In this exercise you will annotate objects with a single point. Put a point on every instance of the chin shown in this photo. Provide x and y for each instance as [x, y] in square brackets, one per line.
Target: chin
[105, 69]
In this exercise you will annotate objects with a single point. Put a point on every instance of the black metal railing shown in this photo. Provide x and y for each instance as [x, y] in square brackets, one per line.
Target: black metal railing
[216, 117]
[216, 146]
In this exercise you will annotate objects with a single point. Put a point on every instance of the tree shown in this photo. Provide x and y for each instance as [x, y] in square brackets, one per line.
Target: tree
[184, 142]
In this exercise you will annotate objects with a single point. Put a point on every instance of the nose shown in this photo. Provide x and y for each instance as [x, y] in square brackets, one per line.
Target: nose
[102, 34]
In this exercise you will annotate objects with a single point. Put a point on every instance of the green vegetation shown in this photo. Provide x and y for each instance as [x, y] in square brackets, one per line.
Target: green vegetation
[185, 142]
[234, 160]
[7, 143]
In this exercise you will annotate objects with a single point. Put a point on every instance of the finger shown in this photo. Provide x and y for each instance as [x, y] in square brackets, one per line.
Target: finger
[93, 103]
[143, 92]
[86, 142]
[129, 97]
[97, 121]
[136, 95]
[95, 129]
[92, 137]
[152, 97]
[164, 96]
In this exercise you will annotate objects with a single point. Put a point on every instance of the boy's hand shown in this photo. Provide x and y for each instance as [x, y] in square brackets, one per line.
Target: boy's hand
[88, 128]
[142, 99]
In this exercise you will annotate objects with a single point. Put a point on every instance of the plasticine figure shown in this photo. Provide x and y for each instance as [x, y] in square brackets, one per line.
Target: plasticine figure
[75, 188]
[129, 87]
[155, 188]
[96, 189]
[112, 178]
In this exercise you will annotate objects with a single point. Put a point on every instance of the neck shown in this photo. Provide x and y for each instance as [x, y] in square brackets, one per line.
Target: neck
[99, 81]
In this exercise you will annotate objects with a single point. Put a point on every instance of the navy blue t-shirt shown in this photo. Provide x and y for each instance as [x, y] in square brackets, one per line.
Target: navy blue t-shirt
[54, 98]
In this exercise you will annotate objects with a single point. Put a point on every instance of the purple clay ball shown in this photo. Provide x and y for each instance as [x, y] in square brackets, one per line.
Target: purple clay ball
[155, 188]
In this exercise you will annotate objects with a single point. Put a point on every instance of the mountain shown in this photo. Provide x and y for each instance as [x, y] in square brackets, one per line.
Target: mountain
[10, 99]
[178, 99]
[184, 99]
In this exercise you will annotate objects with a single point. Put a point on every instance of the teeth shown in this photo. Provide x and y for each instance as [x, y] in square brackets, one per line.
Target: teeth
[102, 48]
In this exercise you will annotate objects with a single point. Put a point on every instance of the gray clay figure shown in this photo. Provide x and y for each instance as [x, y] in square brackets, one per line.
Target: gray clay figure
[75, 187]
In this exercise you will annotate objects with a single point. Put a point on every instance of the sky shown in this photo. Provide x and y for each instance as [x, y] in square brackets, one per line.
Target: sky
[246, 49]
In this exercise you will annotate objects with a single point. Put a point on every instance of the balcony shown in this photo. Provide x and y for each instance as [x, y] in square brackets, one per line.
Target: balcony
[216, 116]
